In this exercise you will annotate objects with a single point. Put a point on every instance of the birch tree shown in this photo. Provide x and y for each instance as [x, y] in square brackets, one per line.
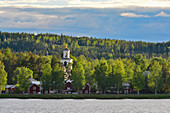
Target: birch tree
[155, 80]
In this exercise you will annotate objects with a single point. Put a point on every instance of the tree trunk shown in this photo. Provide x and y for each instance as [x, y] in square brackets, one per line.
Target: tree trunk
[138, 92]
[118, 89]
[155, 91]
[155, 88]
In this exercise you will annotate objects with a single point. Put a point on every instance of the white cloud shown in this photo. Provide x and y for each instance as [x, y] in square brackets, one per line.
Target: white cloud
[88, 3]
[1, 12]
[23, 19]
[133, 15]
[163, 14]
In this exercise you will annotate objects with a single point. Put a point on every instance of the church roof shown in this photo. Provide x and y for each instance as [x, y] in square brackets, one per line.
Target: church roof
[66, 49]
[69, 81]
[66, 59]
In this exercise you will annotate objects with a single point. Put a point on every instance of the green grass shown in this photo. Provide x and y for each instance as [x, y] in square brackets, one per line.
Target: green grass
[84, 96]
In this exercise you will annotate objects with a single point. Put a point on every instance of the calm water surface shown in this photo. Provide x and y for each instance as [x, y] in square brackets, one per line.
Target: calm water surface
[84, 106]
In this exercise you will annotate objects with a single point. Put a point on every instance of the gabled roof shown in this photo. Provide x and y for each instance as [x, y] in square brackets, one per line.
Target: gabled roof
[69, 81]
[33, 81]
[10, 86]
[66, 49]
[36, 82]
[126, 84]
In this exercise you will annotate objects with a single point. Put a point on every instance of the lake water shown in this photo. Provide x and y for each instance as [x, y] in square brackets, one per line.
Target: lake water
[84, 106]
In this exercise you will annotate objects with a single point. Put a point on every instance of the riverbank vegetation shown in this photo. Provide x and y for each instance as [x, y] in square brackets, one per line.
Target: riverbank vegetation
[82, 96]
[103, 63]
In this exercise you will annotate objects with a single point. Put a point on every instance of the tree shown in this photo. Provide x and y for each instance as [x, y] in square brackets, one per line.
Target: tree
[101, 75]
[142, 61]
[3, 77]
[57, 77]
[46, 77]
[89, 74]
[155, 80]
[168, 85]
[129, 70]
[138, 80]
[21, 75]
[78, 76]
[119, 73]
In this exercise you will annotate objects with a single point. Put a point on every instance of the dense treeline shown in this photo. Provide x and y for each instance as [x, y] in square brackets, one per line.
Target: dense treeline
[145, 75]
[52, 44]
[103, 63]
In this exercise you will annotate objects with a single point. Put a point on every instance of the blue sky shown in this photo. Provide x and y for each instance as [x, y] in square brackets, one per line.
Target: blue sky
[145, 20]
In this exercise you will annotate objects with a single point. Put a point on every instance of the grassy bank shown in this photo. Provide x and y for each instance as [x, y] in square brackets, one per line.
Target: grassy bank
[80, 96]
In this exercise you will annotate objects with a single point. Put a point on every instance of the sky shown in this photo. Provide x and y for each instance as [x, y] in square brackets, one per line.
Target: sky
[135, 20]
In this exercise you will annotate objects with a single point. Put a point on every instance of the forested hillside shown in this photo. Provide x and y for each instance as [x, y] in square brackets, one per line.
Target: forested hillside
[103, 63]
[92, 48]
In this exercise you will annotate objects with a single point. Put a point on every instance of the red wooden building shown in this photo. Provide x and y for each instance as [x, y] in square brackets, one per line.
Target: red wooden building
[68, 87]
[86, 90]
[10, 88]
[34, 89]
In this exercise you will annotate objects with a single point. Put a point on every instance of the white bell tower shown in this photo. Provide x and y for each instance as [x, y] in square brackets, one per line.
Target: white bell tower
[66, 57]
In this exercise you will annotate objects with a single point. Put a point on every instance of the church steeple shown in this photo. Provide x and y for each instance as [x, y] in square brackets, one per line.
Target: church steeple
[66, 57]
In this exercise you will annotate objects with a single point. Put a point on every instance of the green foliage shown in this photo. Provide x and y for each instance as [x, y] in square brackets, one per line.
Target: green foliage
[104, 63]
[78, 76]
[46, 77]
[21, 75]
[3, 77]
[52, 44]
[101, 74]
[155, 80]
[119, 73]
[57, 77]
[138, 80]
[129, 70]
[84, 96]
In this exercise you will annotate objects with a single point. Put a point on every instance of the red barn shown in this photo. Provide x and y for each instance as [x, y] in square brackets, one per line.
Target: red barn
[68, 87]
[34, 89]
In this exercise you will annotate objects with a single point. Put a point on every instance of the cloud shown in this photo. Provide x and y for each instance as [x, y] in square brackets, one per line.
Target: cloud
[100, 23]
[163, 14]
[1, 12]
[133, 15]
[21, 19]
[88, 3]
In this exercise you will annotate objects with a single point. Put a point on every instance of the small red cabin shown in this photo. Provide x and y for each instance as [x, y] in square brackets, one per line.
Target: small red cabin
[34, 89]
[10, 88]
[68, 87]
[86, 90]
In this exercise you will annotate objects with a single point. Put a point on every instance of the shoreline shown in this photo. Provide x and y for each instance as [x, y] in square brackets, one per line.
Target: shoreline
[84, 96]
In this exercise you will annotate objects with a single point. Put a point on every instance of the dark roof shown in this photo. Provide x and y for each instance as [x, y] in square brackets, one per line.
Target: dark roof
[66, 58]
[66, 49]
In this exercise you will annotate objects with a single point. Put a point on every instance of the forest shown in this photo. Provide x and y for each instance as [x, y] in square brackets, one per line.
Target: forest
[91, 48]
[103, 63]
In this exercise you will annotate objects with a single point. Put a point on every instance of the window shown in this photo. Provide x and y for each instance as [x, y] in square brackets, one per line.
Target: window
[65, 63]
[86, 91]
[34, 92]
[34, 88]
[65, 54]
[68, 88]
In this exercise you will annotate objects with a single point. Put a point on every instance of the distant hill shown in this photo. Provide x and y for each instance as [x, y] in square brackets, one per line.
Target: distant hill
[93, 48]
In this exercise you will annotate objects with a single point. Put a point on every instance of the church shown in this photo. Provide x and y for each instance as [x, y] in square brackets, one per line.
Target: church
[66, 57]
